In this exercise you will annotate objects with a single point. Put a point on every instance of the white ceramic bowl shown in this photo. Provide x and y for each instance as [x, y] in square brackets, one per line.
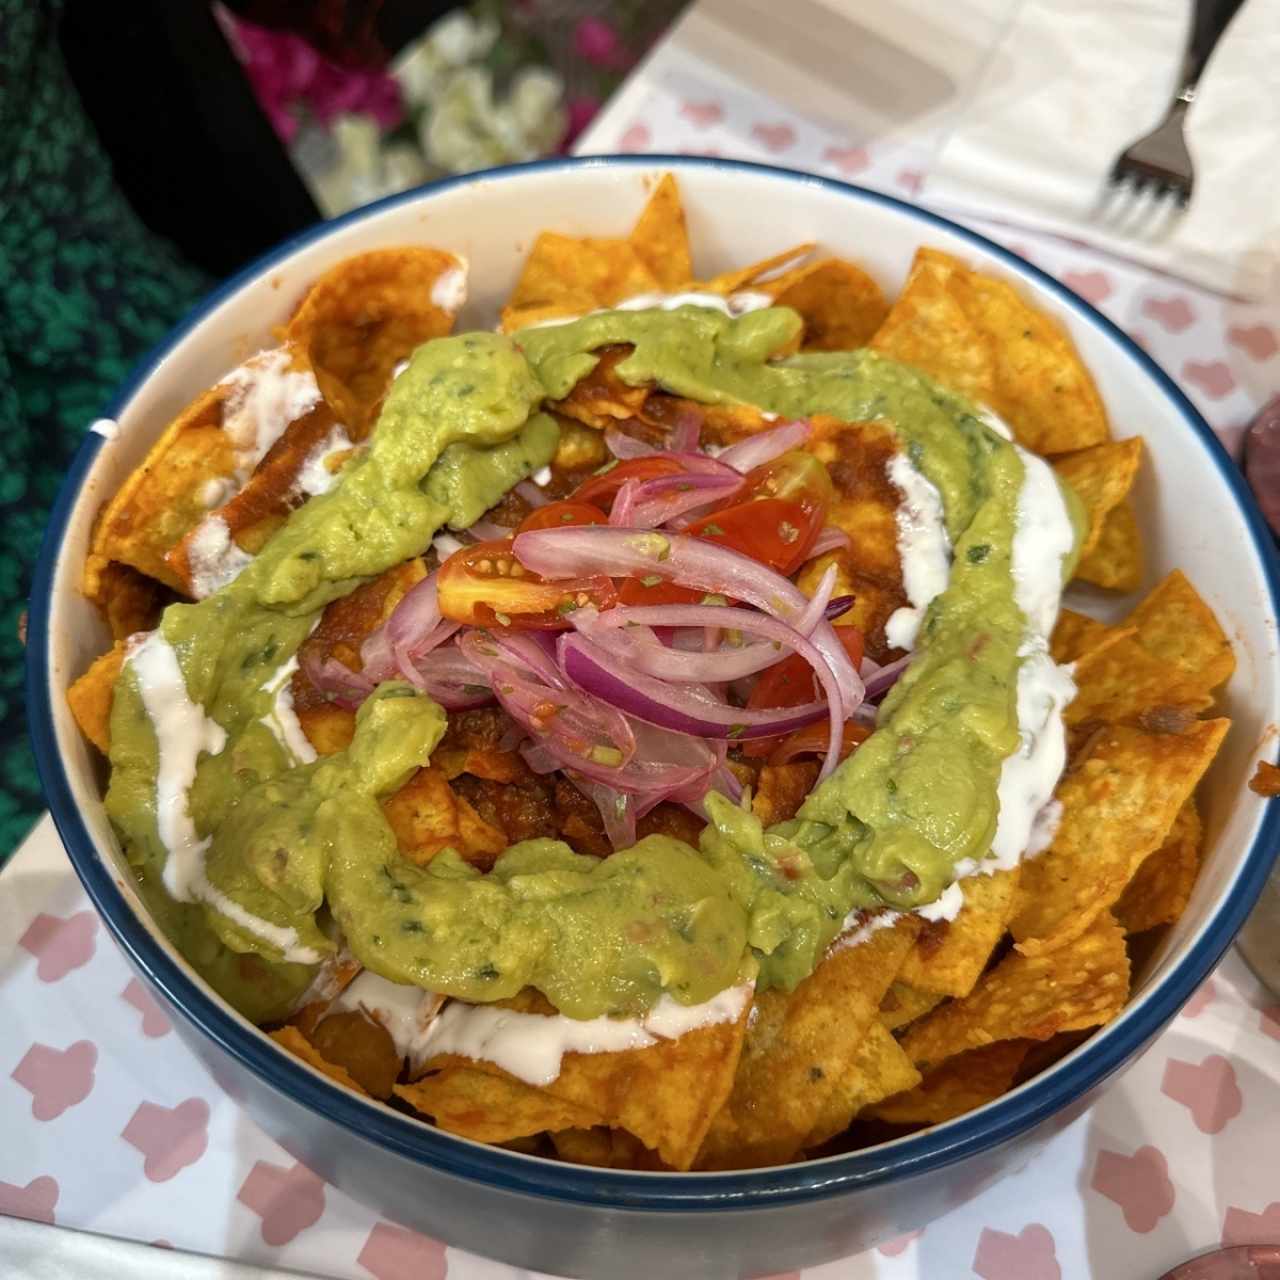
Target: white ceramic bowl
[1196, 515]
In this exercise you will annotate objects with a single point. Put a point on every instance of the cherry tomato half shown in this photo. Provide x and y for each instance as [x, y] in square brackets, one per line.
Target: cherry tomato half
[602, 489]
[486, 586]
[791, 683]
[562, 515]
[778, 517]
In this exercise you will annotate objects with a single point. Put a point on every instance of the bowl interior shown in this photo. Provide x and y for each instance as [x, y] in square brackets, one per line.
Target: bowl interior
[1189, 498]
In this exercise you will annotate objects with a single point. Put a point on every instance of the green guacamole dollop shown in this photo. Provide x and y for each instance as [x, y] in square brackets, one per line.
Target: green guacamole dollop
[299, 844]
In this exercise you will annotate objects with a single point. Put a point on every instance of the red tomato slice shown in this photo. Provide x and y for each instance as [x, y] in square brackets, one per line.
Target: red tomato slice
[778, 517]
[486, 586]
[791, 683]
[562, 515]
[813, 738]
[602, 489]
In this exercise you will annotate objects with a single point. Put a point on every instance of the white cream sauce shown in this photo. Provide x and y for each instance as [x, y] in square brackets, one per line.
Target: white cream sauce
[450, 289]
[213, 557]
[733, 304]
[265, 395]
[923, 548]
[532, 1046]
[282, 720]
[315, 476]
[406, 1012]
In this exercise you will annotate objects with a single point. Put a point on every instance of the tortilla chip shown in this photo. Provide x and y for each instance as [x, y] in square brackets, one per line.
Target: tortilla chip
[365, 315]
[721, 423]
[840, 304]
[428, 816]
[1178, 627]
[660, 237]
[571, 275]
[880, 1069]
[297, 1044]
[1116, 561]
[1265, 780]
[1118, 806]
[781, 789]
[732, 281]
[129, 600]
[1101, 477]
[903, 1004]
[91, 696]
[602, 397]
[1159, 892]
[665, 1094]
[491, 1108]
[961, 1084]
[1084, 983]
[604, 1149]
[1077, 634]
[160, 500]
[950, 955]
[580, 449]
[1170, 658]
[343, 626]
[976, 335]
[798, 1046]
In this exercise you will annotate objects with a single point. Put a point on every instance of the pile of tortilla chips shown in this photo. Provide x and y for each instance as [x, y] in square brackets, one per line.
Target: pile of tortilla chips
[917, 1023]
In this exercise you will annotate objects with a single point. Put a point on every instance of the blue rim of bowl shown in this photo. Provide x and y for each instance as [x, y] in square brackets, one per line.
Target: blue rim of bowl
[909, 1157]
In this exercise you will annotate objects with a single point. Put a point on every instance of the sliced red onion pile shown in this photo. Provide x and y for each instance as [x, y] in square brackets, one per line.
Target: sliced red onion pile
[639, 704]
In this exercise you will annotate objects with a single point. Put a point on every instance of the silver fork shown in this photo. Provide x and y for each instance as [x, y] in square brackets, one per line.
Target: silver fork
[1159, 163]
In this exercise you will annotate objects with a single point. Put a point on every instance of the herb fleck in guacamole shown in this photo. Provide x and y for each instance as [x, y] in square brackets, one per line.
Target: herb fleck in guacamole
[301, 847]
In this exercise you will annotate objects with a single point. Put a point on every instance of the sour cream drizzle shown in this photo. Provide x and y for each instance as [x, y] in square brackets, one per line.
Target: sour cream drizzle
[406, 1012]
[923, 548]
[282, 720]
[733, 304]
[532, 1046]
[183, 733]
[450, 289]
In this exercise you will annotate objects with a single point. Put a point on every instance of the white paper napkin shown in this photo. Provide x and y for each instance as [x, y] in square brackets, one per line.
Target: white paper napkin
[1072, 82]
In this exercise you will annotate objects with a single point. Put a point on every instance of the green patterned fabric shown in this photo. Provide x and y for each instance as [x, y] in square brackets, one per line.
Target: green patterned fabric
[85, 289]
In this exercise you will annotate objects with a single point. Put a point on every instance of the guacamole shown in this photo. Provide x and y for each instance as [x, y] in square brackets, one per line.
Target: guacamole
[283, 853]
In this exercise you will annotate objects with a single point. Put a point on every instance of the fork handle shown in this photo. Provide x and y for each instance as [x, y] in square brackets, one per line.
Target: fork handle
[1210, 20]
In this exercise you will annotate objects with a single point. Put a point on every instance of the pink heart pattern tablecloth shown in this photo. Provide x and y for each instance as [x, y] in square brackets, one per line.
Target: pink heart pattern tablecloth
[108, 1124]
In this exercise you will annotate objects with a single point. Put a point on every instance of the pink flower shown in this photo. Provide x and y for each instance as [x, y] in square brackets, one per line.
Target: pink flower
[289, 78]
[596, 41]
[581, 112]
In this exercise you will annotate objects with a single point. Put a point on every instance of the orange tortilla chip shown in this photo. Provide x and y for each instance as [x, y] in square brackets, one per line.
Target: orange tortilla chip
[1077, 634]
[602, 397]
[91, 696]
[731, 281]
[1084, 983]
[665, 1094]
[960, 1085]
[1265, 780]
[160, 500]
[129, 600]
[297, 1044]
[365, 315]
[427, 817]
[1117, 808]
[1169, 655]
[1176, 626]
[660, 237]
[1101, 477]
[840, 304]
[799, 1045]
[491, 1108]
[571, 275]
[903, 1004]
[1116, 560]
[604, 1149]
[343, 626]
[976, 335]
[880, 1069]
[950, 955]
[1159, 892]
